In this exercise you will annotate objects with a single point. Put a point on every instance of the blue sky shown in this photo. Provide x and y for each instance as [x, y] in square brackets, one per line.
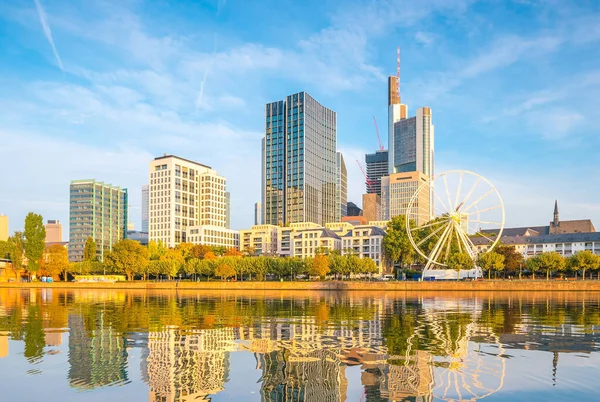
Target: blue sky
[97, 88]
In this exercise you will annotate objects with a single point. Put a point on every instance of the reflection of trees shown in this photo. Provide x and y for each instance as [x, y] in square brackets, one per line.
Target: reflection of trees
[395, 340]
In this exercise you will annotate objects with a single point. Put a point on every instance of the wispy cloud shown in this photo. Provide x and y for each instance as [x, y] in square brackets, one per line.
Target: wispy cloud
[48, 32]
[424, 38]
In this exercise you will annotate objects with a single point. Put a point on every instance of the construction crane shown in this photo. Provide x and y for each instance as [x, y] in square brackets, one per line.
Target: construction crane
[369, 183]
[381, 148]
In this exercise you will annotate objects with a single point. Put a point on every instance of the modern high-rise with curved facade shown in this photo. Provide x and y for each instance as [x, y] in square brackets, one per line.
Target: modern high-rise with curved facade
[299, 162]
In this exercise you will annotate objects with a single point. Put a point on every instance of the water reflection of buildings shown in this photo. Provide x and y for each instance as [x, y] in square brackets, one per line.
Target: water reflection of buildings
[97, 358]
[187, 366]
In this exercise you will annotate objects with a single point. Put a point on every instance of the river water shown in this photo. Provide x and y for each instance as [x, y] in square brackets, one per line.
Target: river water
[91, 345]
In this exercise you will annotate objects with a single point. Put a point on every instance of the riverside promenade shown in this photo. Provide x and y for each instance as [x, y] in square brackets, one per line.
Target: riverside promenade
[362, 286]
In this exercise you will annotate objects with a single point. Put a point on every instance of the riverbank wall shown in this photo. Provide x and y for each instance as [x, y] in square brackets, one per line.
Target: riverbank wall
[400, 286]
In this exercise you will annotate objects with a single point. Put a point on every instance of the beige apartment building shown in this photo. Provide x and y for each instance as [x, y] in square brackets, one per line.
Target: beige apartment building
[3, 228]
[396, 192]
[260, 239]
[183, 196]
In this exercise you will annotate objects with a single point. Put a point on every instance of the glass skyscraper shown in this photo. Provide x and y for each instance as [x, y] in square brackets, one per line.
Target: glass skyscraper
[377, 167]
[145, 207]
[97, 210]
[299, 162]
[413, 144]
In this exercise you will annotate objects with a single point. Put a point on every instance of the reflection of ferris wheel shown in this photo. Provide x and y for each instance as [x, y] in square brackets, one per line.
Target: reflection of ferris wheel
[474, 371]
[462, 370]
[443, 213]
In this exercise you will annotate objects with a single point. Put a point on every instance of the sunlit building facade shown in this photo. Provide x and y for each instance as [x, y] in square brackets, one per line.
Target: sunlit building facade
[397, 191]
[299, 176]
[99, 211]
[184, 194]
[341, 191]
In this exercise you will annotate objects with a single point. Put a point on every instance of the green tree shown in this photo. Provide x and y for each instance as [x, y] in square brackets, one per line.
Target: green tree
[174, 262]
[513, 260]
[491, 261]
[338, 265]
[89, 250]
[533, 265]
[17, 251]
[224, 271]
[396, 244]
[55, 261]
[460, 262]
[584, 260]
[127, 257]
[35, 240]
[319, 266]
[156, 249]
[550, 261]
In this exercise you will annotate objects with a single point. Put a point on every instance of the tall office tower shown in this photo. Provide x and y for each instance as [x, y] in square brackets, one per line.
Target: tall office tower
[53, 232]
[97, 210]
[3, 228]
[187, 198]
[396, 112]
[413, 144]
[377, 167]
[341, 191]
[145, 207]
[227, 209]
[299, 162]
[258, 215]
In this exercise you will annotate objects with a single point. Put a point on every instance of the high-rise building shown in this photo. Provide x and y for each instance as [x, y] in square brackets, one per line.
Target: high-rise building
[341, 191]
[3, 228]
[396, 112]
[145, 207]
[396, 192]
[227, 210]
[258, 215]
[187, 198]
[53, 231]
[377, 167]
[299, 162]
[413, 144]
[97, 210]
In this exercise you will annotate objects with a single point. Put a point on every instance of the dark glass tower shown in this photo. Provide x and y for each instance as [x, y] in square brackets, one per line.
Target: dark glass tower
[299, 162]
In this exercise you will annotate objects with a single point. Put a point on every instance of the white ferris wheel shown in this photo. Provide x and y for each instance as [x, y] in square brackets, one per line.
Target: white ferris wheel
[445, 212]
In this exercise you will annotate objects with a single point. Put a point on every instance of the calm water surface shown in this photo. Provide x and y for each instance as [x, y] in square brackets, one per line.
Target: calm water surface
[142, 346]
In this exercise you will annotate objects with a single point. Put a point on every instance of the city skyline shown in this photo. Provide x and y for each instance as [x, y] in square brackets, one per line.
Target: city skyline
[110, 92]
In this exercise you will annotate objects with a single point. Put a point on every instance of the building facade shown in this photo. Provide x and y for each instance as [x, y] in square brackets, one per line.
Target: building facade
[372, 207]
[353, 209]
[210, 235]
[184, 194]
[260, 240]
[258, 215]
[53, 231]
[413, 144]
[377, 167]
[228, 210]
[341, 191]
[3, 228]
[365, 241]
[145, 207]
[396, 112]
[396, 192]
[299, 166]
[97, 210]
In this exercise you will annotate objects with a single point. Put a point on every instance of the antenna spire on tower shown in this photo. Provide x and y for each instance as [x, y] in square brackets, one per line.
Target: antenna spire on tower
[398, 72]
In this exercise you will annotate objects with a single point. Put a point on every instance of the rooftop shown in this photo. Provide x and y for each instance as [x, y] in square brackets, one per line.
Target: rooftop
[166, 156]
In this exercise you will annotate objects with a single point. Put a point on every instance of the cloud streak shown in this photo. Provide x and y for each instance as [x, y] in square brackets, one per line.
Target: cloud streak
[48, 32]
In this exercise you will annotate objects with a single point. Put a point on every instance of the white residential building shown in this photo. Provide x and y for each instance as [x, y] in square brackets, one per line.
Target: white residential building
[184, 194]
[260, 239]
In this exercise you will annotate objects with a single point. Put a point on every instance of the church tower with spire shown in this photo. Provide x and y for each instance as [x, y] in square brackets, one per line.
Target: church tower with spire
[556, 221]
